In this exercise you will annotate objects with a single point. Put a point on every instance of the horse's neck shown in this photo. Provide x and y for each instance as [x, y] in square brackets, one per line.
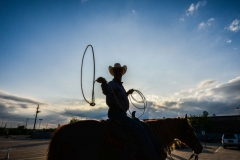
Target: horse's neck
[168, 130]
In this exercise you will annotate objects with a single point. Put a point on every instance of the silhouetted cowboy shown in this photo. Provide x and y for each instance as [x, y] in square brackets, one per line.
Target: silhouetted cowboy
[117, 100]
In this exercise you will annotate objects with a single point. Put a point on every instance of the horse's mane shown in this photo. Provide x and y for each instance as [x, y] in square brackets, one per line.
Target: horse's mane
[161, 132]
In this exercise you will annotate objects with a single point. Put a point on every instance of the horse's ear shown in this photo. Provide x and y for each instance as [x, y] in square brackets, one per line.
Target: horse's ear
[186, 116]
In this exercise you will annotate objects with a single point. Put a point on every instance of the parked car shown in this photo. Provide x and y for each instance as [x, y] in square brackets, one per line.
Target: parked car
[232, 140]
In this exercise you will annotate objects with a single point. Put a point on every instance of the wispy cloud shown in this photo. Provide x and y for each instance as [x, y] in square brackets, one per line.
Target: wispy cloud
[211, 19]
[182, 19]
[216, 40]
[10, 97]
[204, 24]
[234, 26]
[84, 1]
[206, 83]
[229, 41]
[194, 8]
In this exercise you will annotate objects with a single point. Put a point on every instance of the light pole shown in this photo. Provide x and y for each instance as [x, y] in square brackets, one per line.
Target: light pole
[26, 123]
[238, 110]
[39, 123]
[2, 122]
[36, 117]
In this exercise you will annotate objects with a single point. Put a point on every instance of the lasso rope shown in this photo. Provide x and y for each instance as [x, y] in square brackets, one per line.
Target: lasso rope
[131, 97]
[118, 101]
[144, 101]
[93, 98]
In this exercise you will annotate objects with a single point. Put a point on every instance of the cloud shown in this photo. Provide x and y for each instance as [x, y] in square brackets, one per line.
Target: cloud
[193, 7]
[204, 24]
[227, 90]
[6, 96]
[234, 26]
[221, 99]
[210, 20]
[95, 113]
[201, 25]
[15, 109]
[83, 1]
[229, 41]
[134, 12]
[82, 109]
[182, 19]
[206, 83]
[216, 40]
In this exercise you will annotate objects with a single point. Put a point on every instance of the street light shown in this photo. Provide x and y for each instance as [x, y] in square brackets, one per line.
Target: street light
[39, 123]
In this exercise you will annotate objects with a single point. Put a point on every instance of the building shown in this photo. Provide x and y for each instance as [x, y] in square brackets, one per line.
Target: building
[217, 126]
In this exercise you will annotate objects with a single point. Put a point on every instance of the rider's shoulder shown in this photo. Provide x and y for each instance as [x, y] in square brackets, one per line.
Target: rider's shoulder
[113, 84]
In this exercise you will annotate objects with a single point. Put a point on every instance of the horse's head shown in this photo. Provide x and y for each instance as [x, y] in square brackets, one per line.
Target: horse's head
[189, 137]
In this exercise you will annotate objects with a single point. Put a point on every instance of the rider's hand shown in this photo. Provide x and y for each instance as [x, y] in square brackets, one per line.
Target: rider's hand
[101, 80]
[130, 91]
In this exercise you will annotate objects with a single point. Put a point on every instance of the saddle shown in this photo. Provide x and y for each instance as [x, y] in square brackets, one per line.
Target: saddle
[122, 137]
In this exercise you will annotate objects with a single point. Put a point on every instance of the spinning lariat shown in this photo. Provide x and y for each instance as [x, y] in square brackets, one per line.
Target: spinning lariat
[93, 97]
[144, 101]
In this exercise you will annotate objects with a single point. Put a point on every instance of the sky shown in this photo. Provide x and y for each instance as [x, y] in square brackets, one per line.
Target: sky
[182, 55]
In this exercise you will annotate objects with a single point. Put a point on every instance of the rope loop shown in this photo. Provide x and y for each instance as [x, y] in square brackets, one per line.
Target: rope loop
[93, 97]
[144, 101]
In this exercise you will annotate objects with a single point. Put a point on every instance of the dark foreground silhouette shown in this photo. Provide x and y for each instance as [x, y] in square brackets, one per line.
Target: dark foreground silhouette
[91, 139]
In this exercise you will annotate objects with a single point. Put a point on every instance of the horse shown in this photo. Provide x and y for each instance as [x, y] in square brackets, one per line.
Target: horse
[87, 139]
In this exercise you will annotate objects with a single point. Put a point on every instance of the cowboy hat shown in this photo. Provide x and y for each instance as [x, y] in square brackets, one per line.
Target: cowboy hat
[117, 65]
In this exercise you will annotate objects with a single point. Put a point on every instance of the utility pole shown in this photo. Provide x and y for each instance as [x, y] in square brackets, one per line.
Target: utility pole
[36, 117]
[39, 123]
[46, 125]
[238, 110]
[26, 123]
[2, 122]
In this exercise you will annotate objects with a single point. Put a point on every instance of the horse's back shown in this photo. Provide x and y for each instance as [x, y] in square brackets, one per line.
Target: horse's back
[91, 139]
[80, 140]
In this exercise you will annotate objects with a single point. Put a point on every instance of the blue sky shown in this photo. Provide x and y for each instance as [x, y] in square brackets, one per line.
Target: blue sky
[182, 55]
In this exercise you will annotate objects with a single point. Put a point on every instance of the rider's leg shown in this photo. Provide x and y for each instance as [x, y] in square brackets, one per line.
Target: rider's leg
[145, 142]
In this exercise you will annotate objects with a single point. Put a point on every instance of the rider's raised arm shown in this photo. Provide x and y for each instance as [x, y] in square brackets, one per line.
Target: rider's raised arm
[105, 88]
[103, 84]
